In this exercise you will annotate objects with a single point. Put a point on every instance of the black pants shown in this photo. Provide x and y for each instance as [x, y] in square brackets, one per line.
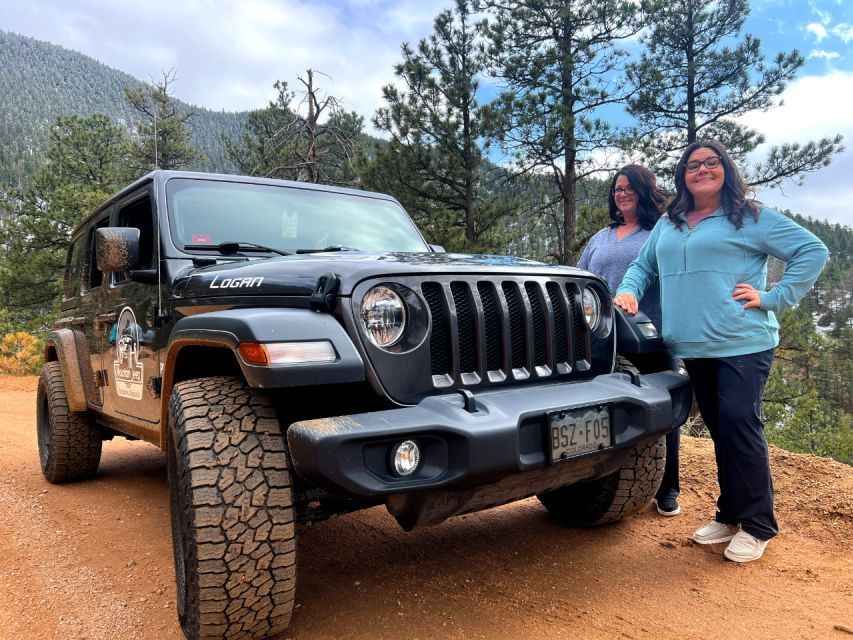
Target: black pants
[649, 363]
[729, 391]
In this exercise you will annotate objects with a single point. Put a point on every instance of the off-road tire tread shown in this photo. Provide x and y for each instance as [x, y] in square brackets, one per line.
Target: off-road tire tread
[74, 448]
[615, 496]
[234, 492]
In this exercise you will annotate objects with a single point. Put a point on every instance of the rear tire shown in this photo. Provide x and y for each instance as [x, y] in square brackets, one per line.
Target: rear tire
[611, 498]
[232, 511]
[69, 441]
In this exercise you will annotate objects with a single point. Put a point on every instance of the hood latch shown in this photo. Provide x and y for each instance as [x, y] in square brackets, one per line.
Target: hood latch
[323, 298]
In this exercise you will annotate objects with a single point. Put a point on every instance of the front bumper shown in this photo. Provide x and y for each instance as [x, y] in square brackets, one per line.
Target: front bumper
[478, 442]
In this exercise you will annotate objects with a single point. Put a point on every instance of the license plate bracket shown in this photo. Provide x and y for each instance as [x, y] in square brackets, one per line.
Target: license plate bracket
[575, 432]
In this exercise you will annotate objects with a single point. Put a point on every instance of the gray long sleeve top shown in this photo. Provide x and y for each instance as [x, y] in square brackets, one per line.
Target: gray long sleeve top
[608, 257]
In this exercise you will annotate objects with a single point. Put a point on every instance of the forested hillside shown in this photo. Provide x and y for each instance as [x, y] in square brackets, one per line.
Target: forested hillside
[40, 81]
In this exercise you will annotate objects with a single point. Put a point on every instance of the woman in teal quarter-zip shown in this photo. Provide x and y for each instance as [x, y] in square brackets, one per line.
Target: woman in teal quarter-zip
[710, 255]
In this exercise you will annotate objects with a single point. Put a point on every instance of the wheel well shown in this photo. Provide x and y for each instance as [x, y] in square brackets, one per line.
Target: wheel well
[202, 362]
[50, 354]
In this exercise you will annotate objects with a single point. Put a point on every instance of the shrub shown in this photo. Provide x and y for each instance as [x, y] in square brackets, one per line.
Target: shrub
[21, 354]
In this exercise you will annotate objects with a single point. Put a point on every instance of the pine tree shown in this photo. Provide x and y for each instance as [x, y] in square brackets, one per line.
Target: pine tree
[84, 167]
[162, 136]
[560, 65]
[698, 74]
[434, 162]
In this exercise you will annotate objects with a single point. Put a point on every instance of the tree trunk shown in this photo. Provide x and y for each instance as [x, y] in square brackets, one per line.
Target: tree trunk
[691, 79]
[568, 186]
[311, 126]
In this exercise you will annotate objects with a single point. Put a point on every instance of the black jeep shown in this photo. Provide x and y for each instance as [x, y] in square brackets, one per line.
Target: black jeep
[300, 351]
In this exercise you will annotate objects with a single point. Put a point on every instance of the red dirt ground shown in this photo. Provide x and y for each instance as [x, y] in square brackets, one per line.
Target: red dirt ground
[94, 561]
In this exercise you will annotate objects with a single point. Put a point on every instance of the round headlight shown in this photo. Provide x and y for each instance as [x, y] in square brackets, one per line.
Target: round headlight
[383, 316]
[591, 308]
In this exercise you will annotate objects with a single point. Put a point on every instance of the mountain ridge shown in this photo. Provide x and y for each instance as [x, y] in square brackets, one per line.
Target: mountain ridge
[40, 80]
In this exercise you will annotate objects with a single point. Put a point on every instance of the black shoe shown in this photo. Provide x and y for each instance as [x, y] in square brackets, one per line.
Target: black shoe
[667, 506]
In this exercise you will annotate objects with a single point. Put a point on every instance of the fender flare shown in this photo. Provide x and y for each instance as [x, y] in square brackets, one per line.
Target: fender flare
[228, 328]
[73, 356]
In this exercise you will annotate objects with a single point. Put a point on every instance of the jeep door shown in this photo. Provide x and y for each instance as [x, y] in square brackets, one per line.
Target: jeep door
[132, 359]
[82, 295]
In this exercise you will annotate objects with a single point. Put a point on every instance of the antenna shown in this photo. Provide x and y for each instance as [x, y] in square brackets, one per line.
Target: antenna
[156, 160]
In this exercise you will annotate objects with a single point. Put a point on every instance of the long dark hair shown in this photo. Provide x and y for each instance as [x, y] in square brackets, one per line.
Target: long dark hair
[733, 198]
[651, 200]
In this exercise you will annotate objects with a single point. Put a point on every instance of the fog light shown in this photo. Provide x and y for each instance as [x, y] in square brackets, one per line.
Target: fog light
[406, 456]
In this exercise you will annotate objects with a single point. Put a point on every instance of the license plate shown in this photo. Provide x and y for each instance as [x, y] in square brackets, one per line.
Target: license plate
[574, 432]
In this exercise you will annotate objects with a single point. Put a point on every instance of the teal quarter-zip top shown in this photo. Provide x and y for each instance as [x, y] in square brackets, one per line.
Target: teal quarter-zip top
[698, 269]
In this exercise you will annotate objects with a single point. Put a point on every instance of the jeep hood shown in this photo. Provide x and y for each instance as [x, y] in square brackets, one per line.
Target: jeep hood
[297, 275]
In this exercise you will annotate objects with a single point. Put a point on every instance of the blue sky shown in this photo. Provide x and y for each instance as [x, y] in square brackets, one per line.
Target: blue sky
[228, 53]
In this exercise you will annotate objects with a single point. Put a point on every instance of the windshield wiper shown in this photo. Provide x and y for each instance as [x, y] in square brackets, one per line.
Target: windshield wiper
[230, 247]
[330, 249]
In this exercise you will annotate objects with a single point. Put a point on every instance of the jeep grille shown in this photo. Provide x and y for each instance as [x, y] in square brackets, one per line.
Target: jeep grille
[483, 331]
[505, 329]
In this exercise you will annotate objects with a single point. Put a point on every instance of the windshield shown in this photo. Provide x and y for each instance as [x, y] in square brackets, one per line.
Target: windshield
[204, 212]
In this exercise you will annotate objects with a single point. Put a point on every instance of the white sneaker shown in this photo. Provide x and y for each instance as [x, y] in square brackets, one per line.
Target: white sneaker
[745, 547]
[714, 533]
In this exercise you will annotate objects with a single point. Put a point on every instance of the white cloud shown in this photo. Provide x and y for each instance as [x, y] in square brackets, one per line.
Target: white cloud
[824, 17]
[821, 53]
[844, 31]
[814, 107]
[818, 30]
[227, 54]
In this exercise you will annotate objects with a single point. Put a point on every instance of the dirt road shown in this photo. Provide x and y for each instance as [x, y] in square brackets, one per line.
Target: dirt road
[94, 561]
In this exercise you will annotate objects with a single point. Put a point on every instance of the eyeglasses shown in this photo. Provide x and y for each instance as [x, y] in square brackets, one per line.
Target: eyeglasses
[711, 162]
[619, 191]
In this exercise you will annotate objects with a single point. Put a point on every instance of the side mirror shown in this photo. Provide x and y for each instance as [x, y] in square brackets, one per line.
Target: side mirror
[116, 248]
[636, 334]
[436, 248]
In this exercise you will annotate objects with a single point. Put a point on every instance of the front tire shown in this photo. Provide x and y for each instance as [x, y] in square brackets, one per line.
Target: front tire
[615, 496]
[232, 511]
[69, 441]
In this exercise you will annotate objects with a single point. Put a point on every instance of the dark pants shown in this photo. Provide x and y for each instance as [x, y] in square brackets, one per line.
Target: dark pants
[669, 486]
[728, 392]
[650, 363]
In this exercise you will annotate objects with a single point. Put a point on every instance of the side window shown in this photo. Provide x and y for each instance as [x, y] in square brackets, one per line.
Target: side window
[73, 266]
[93, 277]
[139, 214]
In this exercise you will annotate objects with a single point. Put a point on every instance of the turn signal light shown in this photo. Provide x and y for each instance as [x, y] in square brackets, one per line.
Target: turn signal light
[287, 352]
[254, 353]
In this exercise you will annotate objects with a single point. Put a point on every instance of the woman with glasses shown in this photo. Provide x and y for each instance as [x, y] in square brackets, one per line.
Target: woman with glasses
[710, 255]
[635, 204]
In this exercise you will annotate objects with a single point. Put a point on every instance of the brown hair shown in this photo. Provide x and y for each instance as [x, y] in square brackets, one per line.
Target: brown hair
[735, 189]
[651, 200]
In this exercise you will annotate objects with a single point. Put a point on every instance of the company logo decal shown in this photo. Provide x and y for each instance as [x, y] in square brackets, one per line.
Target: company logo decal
[128, 371]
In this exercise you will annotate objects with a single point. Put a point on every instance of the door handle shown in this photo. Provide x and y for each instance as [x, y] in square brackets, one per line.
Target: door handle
[104, 318]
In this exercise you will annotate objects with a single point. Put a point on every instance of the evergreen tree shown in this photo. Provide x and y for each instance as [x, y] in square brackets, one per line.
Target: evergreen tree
[83, 168]
[698, 74]
[560, 66]
[434, 162]
[162, 136]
